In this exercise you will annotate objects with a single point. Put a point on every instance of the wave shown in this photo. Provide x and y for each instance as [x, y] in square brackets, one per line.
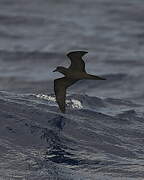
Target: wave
[21, 20]
[96, 135]
[20, 55]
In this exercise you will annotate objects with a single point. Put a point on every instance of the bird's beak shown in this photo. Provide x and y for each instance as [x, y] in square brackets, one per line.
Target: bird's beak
[55, 70]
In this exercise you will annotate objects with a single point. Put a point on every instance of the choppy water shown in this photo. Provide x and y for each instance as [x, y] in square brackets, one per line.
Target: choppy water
[101, 135]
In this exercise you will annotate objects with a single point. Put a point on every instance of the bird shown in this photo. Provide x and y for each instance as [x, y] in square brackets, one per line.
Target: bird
[76, 71]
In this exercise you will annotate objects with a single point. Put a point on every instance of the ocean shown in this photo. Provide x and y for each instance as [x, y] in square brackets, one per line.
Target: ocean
[101, 135]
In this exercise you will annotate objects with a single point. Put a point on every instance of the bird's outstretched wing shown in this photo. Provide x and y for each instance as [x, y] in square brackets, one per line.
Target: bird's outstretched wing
[60, 86]
[77, 63]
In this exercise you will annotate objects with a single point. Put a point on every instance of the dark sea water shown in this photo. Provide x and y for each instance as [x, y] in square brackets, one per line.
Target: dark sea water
[101, 137]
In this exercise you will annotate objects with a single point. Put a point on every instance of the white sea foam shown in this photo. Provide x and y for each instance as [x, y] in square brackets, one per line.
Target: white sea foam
[74, 103]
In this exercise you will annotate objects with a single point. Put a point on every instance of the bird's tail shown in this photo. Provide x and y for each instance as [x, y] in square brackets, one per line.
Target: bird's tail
[95, 77]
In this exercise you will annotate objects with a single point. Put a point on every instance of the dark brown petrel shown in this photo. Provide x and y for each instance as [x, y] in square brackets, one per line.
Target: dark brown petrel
[75, 72]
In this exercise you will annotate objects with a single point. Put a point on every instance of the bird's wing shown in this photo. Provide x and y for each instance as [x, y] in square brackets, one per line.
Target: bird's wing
[60, 86]
[77, 63]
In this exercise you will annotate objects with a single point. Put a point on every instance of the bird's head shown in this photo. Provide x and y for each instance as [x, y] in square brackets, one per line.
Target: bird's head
[76, 54]
[60, 69]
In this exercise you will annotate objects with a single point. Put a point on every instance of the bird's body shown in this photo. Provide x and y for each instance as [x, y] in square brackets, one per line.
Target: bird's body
[75, 72]
[80, 75]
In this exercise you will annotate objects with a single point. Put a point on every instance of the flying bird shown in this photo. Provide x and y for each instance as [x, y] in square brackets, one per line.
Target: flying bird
[76, 71]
